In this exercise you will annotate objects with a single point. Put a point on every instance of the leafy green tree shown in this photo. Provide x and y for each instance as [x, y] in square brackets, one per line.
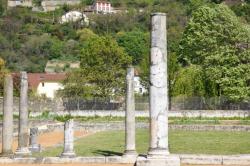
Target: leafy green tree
[135, 43]
[217, 41]
[189, 82]
[85, 34]
[103, 68]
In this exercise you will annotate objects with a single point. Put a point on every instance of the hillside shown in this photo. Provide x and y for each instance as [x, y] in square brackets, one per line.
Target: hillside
[29, 39]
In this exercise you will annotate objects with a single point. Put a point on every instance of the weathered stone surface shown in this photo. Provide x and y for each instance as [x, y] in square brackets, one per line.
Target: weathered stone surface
[23, 132]
[7, 133]
[170, 160]
[130, 116]
[83, 160]
[158, 88]
[126, 159]
[68, 150]
[201, 159]
[237, 160]
[33, 145]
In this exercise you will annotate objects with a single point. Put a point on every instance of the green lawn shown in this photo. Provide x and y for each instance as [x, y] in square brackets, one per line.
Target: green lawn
[188, 142]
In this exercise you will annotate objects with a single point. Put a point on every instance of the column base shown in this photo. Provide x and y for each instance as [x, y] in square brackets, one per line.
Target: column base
[8, 154]
[130, 153]
[35, 148]
[169, 160]
[22, 152]
[157, 153]
[68, 155]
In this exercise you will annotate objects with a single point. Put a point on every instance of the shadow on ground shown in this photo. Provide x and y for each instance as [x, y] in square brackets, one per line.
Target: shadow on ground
[107, 153]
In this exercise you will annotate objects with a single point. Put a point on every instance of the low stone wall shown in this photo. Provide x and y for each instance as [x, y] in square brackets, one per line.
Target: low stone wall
[194, 159]
[186, 113]
[36, 105]
[96, 127]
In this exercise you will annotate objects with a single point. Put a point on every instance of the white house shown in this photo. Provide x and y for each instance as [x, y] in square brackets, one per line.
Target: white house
[14, 3]
[74, 16]
[44, 83]
[139, 88]
[102, 6]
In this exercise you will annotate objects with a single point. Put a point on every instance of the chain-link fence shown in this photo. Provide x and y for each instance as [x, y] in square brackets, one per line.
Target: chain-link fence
[94, 104]
[195, 103]
[141, 104]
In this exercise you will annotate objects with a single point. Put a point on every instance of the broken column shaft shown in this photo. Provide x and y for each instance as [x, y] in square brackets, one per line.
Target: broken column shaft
[7, 133]
[23, 130]
[130, 115]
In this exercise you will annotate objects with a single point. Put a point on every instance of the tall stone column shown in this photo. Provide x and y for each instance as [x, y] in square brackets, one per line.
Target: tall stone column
[7, 133]
[23, 130]
[158, 103]
[130, 149]
[68, 150]
[158, 153]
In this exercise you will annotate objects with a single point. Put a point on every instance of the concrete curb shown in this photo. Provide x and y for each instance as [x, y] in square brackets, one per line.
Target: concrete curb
[185, 159]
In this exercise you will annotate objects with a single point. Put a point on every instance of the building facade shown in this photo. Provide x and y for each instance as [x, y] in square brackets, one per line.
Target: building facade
[102, 6]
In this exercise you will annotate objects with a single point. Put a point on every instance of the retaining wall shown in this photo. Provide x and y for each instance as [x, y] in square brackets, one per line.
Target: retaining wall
[186, 113]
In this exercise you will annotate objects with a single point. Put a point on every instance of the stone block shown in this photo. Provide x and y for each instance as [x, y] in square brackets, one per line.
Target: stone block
[201, 159]
[59, 160]
[121, 159]
[170, 160]
[236, 160]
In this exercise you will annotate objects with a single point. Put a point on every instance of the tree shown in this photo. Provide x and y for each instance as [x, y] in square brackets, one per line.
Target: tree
[135, 43]
[3, 6]
[189, 82]
[217, 41]
[103, 69]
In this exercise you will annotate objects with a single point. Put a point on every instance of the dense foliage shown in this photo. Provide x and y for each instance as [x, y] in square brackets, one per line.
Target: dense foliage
[210, 50]
[218, 43]
[103, 69]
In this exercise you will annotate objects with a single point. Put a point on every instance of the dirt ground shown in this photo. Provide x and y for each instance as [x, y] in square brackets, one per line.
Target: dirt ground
[51, 139]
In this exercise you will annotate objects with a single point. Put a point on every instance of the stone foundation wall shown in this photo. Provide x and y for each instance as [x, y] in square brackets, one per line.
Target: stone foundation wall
[200, 113]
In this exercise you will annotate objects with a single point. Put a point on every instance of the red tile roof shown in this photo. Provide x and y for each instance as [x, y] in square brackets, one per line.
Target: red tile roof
[34, 79]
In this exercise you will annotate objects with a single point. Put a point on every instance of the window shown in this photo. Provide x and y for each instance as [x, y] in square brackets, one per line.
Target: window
[42, 84]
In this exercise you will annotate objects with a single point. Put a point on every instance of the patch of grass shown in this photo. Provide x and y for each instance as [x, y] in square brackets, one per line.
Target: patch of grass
[188, 142]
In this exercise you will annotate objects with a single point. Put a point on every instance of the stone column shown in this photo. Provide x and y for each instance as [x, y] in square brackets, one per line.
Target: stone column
[158, 104]
[23, 130]
[130, 149]
[7, 133]
[158, 153]
[68, 139]
[34, 146]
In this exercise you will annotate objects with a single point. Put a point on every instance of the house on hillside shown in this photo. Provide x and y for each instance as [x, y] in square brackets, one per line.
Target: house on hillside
[102, 6]
[44, 83]
[74, 16]
[14, 3]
